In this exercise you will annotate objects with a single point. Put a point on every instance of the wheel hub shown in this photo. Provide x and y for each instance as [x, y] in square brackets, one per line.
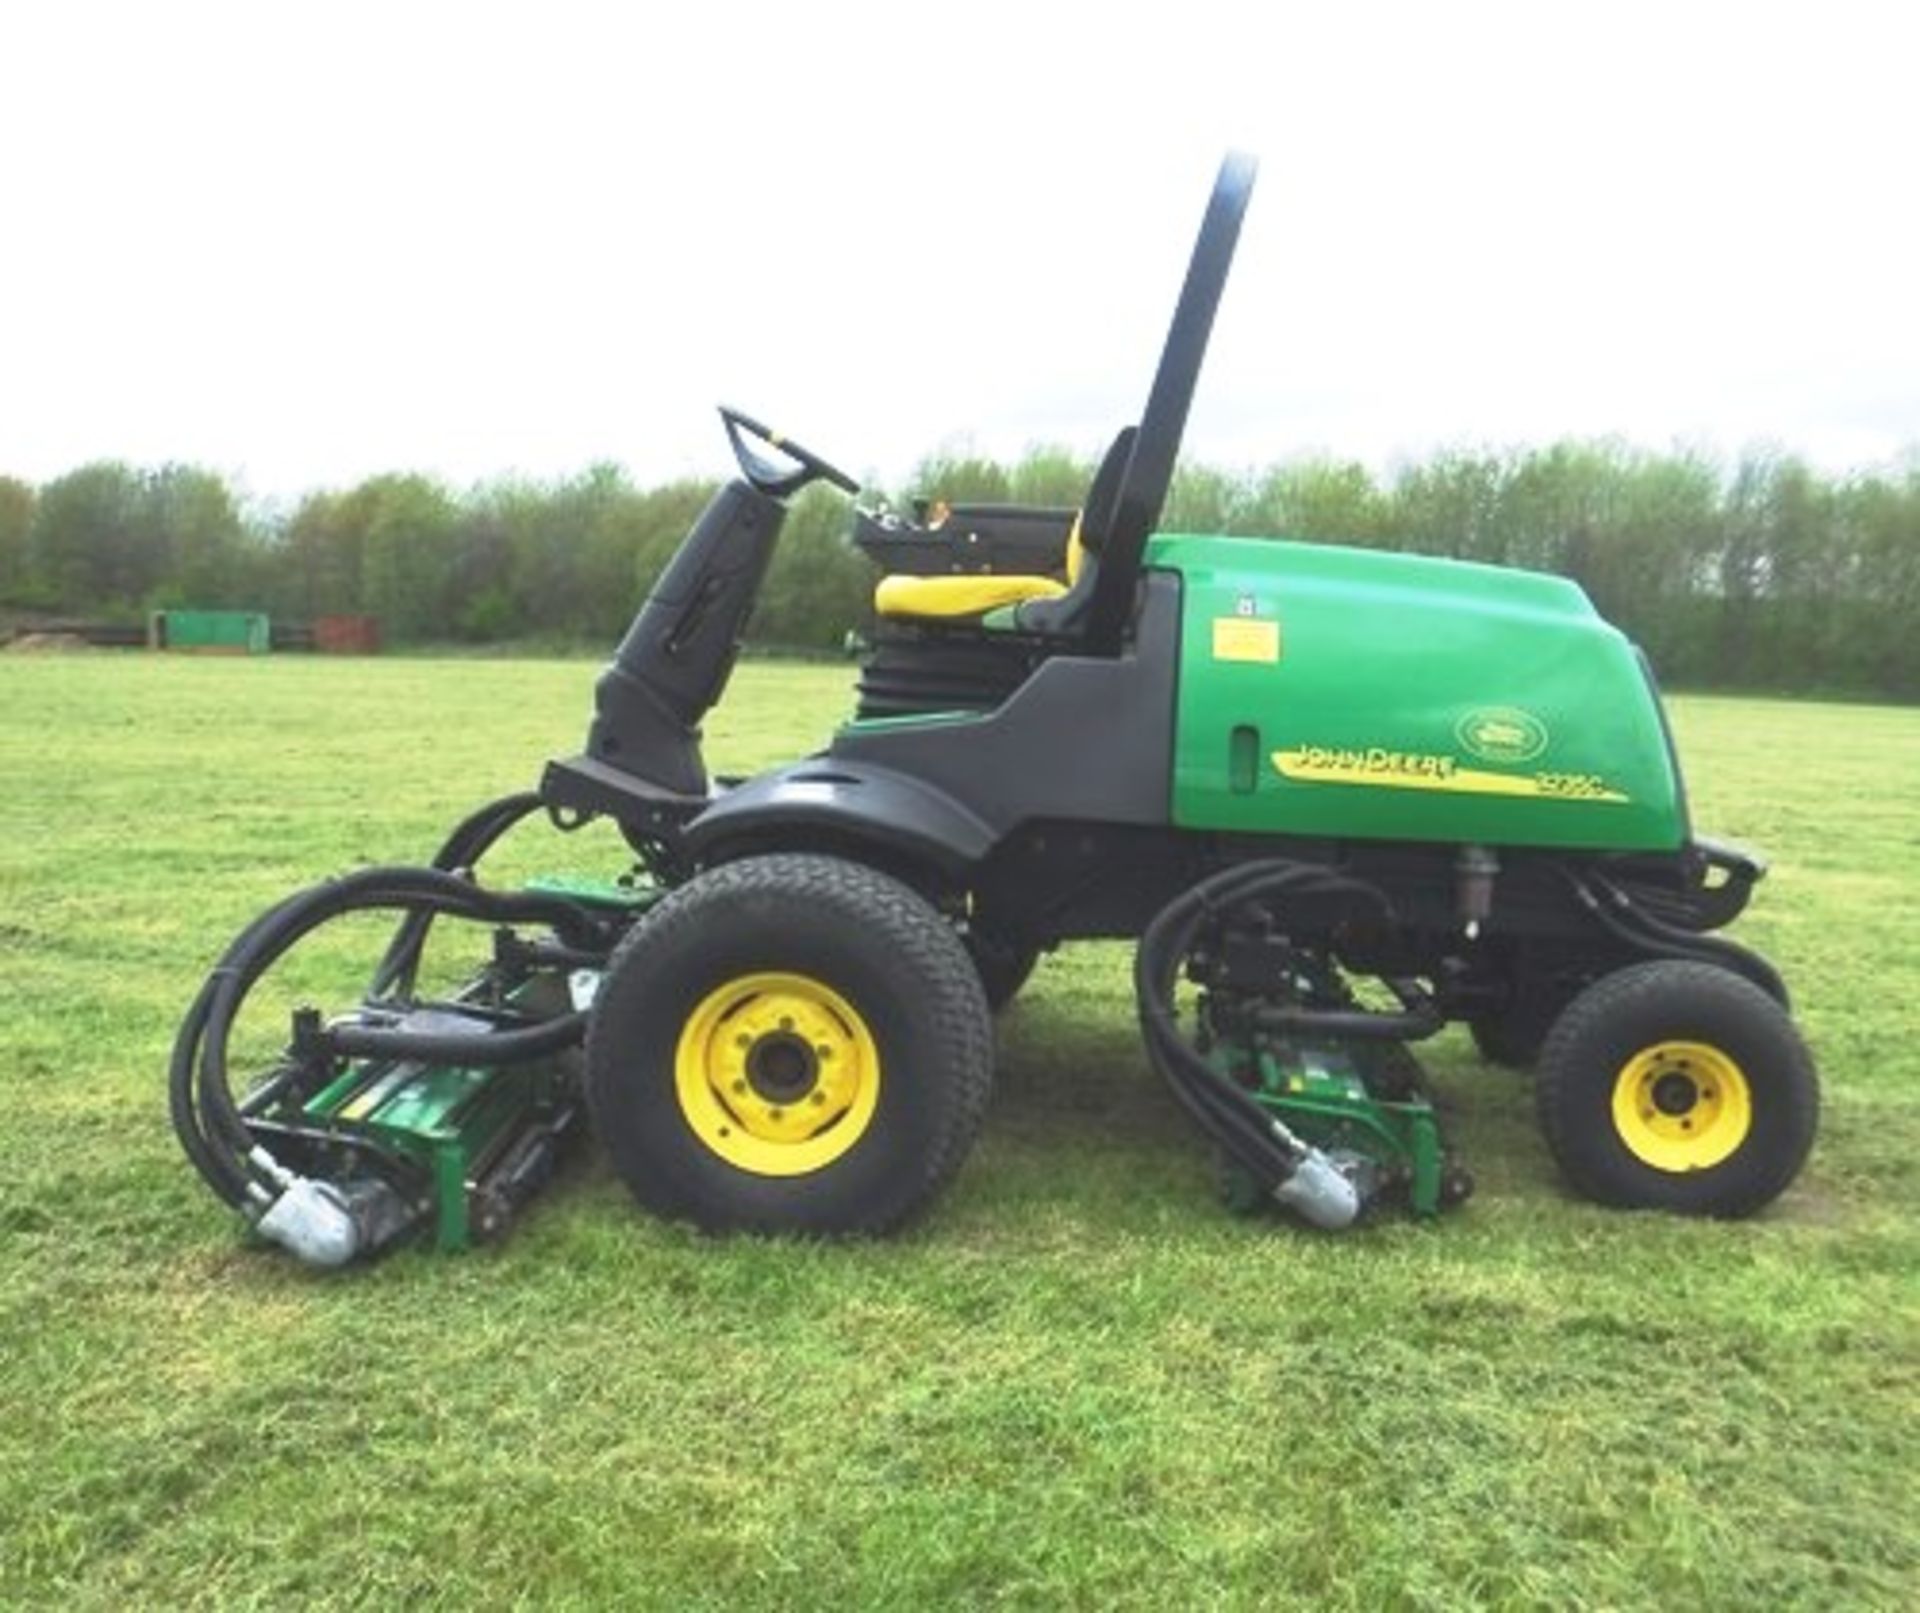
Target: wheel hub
[1674, 1093]
[1682, 1106]
[781, 1068]
[776, 1073]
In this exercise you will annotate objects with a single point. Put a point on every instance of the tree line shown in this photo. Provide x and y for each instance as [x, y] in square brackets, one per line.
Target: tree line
[1762, 574]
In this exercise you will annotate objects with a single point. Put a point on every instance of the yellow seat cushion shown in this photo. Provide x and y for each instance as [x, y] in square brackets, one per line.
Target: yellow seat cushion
[971, 593]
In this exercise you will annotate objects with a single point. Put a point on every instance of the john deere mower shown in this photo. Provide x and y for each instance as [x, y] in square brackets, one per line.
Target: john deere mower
[1340, 798]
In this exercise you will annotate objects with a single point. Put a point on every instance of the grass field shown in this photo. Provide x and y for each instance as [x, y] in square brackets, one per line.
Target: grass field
[1078, 1381]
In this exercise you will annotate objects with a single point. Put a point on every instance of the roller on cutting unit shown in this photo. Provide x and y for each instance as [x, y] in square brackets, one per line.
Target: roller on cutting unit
[1341, 798]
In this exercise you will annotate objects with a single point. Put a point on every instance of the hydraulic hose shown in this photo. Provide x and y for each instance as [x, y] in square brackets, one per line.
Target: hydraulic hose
[190, 1124]
[1230, 1116]
[1625, 920]
[550, 1036]
[469, 841]
[1418, 1019]
[206, 1116]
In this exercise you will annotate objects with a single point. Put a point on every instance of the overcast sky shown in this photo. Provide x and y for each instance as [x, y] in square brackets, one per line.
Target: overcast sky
[303, 243]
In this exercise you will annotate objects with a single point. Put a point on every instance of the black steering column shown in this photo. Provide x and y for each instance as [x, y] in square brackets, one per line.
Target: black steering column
[675, 660]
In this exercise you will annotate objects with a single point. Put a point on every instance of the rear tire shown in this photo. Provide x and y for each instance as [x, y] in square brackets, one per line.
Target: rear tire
[1677, 1086]
[789, 1043]
[1513, 1037]
[1004, 966]
[1538, 991]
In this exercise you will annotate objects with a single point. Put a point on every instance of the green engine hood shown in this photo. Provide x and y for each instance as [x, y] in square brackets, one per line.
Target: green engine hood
[1362, 693]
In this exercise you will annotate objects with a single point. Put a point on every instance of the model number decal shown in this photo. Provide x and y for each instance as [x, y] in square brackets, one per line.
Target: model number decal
[1580, 786]
[1379, 767]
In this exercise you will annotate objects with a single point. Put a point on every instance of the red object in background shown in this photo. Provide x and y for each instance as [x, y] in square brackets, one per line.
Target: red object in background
[346, 635]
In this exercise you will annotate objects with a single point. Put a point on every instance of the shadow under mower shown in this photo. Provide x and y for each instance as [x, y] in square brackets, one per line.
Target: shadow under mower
[1341, 797]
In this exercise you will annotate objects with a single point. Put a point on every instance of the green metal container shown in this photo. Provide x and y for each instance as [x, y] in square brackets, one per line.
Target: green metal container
[230, 632]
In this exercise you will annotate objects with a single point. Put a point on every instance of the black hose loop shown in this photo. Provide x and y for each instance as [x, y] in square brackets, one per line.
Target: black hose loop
[483, 1048]
[206, 1116]
[1231, 1117]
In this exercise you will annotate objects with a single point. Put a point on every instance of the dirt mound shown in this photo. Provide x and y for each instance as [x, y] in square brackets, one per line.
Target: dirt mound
[45, 644]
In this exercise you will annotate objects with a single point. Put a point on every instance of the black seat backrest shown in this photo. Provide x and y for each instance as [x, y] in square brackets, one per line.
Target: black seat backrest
[1143, 490]
[1098, 608]
[1103, 496]
[1067, 613]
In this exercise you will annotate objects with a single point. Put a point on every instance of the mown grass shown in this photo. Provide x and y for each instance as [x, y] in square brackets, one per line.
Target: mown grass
[1078, 1381]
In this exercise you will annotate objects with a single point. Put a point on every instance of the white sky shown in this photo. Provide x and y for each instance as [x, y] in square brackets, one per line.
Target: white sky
[302, 243]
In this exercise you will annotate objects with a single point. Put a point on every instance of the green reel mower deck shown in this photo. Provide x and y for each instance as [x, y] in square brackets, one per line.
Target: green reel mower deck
[1323, 1099]
[484, 1139]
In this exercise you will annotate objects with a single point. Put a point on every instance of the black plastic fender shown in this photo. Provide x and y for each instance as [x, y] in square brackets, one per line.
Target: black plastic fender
[846, 802]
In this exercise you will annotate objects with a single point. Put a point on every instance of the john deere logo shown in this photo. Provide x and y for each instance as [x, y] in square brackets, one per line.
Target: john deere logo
[1502, 734]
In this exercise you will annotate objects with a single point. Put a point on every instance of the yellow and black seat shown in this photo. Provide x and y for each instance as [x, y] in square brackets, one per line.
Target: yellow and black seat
[970, 595]
[1006, 600]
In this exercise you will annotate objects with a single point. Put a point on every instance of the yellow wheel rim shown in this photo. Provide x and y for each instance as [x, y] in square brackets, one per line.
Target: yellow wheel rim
[776, 1073]
[1682, 1106]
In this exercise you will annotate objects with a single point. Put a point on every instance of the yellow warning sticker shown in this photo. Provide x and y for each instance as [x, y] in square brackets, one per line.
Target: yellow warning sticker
[1245, 638]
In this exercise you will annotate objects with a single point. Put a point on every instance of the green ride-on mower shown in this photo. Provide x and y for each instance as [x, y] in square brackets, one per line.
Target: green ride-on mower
[1339, 797]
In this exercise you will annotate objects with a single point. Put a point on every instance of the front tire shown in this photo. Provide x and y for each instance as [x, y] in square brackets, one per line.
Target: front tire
[789, 1043]
[1677, 1086]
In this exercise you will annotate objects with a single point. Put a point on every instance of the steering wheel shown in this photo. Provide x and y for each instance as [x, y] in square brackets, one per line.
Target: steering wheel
[768, 477]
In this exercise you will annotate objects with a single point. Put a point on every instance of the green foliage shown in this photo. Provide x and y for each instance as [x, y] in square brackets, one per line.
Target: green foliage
[16, 522]
[1049, 475]
[112, 538]
[963, 477]
[1763, 575]
[89, 544]
[1203, 499]
[320, 555]
[1333, 501]
[196, 519]
[817, 585]
[410, 545]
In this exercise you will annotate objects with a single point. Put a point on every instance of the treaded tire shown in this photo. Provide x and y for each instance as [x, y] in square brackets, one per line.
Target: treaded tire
[1537, 995]
[1641, 1007]
[1004, 966]
[877, 944]
[1514, 1037]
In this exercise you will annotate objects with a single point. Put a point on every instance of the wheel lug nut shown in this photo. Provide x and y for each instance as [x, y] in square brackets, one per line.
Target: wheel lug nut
[739, 1089]
[818, 1099]
[823, 1051]
[743, 1040]
[786, 1022]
